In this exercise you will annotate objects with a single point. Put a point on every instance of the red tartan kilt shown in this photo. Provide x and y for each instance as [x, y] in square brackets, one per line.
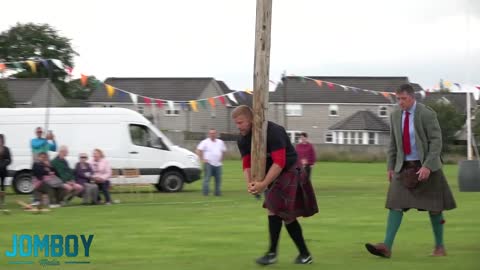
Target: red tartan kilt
[291, 195]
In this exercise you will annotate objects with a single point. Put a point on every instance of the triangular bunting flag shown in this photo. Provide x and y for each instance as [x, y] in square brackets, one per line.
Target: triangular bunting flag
[242, 95]
[171, 106]
[147, 101]
[203, 103]
[69, 70]
[134, 98]
[159, 103]
[184, 106]
[345, 88]
[3, 67]
[97, 84]
[386, 95]
[423, 94]
[45, 63]
[193, 104]
[249, 91]
[58, 63]
[331, 85]
[212, 102]
[478, 87]
[17, 65]
[231, 96]
[110, 90]
[319, 83]
[458, 85]
[33, 66]
[222, 100]
[83, 80]
[447, 84]
[122, 95]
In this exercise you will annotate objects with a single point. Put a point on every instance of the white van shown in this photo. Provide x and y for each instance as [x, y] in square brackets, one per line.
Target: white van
[130, 143]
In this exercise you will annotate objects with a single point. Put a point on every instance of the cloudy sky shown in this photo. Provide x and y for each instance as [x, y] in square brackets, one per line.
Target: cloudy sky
[423, 39]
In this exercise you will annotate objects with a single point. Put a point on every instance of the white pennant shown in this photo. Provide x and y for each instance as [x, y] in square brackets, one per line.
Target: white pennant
[170, 105]
[134, 98]
[231, 96]
[58, 63]
[423, 94]
[345, 87]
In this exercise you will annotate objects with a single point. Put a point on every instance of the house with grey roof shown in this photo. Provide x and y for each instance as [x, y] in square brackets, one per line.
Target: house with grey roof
[180, 90]
[335, 114]
[34, 92]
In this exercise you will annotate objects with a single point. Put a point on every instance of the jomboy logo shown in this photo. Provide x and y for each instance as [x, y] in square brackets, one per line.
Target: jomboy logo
[54, 245]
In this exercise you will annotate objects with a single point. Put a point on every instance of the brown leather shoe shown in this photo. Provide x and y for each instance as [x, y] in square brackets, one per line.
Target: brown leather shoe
[379, 249]
[439, 252]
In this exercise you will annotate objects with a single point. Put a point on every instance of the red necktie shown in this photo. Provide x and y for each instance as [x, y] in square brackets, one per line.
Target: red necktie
[407, 149]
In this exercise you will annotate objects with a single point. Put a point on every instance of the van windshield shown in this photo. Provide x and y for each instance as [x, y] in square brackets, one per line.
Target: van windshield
[143, 136]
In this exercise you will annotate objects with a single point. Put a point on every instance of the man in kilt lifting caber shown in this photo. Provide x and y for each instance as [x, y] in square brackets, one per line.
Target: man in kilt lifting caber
[289, 194]
[414, 170]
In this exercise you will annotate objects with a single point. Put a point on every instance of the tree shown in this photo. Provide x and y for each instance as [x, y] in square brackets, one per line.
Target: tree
[5, 100]
[37, 41]
[450, 121]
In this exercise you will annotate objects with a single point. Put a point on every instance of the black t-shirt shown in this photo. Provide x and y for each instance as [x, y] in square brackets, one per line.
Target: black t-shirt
[277, 139]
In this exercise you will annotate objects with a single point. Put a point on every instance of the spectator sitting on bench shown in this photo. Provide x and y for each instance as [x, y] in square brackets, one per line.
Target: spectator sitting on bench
[65, 173]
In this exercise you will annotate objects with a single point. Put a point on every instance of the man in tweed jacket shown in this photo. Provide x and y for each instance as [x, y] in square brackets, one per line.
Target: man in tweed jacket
[414, 170]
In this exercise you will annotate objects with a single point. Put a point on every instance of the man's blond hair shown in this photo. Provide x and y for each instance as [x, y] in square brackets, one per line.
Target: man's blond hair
[242, 110]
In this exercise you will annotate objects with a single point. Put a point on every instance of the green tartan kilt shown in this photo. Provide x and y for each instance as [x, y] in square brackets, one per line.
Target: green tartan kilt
[431, 195]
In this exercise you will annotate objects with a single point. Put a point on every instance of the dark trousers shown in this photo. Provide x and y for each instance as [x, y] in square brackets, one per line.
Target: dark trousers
[308, 170]
[104, 188]
[2, 183]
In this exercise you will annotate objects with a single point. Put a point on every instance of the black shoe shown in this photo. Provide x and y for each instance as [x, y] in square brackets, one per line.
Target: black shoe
[303, 259]
[269, 258]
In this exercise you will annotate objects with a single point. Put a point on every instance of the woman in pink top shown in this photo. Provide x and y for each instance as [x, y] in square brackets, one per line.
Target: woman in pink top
[101, 174]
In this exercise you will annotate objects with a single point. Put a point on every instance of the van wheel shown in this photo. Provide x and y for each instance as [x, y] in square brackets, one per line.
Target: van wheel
[171, 181]
[22, 183]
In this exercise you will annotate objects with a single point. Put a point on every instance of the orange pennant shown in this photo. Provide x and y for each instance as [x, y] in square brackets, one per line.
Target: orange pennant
[2, 67]
[212, 102]
[319, 83]
[386, 95]
[84, 80]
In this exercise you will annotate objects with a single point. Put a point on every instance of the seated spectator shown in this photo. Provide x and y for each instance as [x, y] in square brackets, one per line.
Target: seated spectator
[83, 176]
[45, 181]
[65, 173]
[101, 174]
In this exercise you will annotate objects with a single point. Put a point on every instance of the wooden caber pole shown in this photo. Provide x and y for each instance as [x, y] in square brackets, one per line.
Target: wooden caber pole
[260, 87]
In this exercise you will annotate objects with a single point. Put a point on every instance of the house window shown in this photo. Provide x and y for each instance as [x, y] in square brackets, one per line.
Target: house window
[339, 138]
[172, 112]
[329, 137]
[294, 110]
[294, 135]
[357, 138]
[333, 110]
[383, 111]
[141, 110]
[346, 137]
[371, 138]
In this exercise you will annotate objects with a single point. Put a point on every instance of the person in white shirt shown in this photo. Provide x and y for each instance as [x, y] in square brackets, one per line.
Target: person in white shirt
[211, 152]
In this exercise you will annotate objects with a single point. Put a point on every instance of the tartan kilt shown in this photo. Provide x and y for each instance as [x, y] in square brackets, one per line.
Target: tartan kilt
[431, 195]
[291, 195]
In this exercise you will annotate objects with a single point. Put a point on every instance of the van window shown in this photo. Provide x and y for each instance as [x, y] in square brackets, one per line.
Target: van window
[143, 136]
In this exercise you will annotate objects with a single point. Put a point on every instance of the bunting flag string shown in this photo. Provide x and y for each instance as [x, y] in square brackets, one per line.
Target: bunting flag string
[111, 91]
[226, 99]
[389, 95]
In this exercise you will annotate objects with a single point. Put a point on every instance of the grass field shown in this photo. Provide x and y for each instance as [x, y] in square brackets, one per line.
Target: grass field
[189, 231]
